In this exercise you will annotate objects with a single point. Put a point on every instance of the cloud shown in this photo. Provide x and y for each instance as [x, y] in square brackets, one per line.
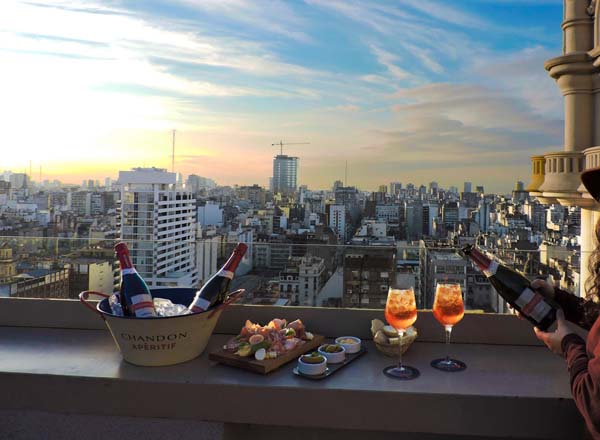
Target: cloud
[288, 23]
[522, 75]
[390, 87]
[388, 60]
[442, 12]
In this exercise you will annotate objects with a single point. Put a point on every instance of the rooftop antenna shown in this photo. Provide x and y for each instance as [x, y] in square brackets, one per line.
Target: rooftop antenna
[346, 175]
[173, 154]
[281, 144]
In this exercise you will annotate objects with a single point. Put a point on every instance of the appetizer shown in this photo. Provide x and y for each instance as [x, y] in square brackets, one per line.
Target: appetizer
[269, 341]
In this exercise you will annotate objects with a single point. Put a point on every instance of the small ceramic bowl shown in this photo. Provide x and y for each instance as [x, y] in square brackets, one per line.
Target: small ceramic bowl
[350, 343]
[312, 369]
[333, 358]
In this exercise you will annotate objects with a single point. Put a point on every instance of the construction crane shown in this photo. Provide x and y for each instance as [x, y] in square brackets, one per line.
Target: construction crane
[281, 144]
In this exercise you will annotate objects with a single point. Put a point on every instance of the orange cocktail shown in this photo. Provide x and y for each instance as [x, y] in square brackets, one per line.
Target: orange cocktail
[448, 309]
[401, 308]
[448, 306]
[401, 313]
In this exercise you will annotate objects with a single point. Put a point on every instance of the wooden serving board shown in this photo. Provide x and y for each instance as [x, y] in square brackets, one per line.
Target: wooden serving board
[263, 367]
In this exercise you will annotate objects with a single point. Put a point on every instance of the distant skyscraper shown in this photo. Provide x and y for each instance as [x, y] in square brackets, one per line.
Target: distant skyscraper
[479, 190]
[337, 184]
[450, 214]
[158, 222]
[383, 189]
[519, 186]
[395, 188]
[337, 221]
[467, 187]
[285, 174]
[19, 181]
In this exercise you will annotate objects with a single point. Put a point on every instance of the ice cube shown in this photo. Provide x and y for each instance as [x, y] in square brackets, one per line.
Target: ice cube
[115, 304]
[165, 307]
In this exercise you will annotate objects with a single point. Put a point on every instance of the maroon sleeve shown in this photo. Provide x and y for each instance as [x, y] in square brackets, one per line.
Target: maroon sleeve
[585, 381]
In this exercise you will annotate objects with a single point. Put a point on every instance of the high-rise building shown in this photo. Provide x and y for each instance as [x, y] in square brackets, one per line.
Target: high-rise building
[450, 214]
[482, 215]
[19, 181]
[255, 194]
[433, 188]
[395, 188]
[195, 183]
[81, 202]
[285, 174]
[158, 223]
[368, 274]
[210, 214]
[467, 187]
[338, 222]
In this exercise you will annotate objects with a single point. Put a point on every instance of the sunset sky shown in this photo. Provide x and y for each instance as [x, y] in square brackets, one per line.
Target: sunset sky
[404, 90]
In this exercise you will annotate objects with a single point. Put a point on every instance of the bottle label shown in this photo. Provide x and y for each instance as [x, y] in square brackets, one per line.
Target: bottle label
[532, 304]
[200, 305]
[142, 305]
[226, 273]
[491, 269]
[128, 270]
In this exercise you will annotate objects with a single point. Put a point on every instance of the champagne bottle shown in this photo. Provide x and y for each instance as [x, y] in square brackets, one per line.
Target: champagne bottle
[135, 296]
[216, 288]
[515, 289]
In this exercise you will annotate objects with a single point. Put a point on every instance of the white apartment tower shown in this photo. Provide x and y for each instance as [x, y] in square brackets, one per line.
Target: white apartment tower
[337, 220]
[158, 223]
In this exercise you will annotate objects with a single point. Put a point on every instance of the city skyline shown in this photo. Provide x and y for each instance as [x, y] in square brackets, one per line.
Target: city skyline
[401, 91]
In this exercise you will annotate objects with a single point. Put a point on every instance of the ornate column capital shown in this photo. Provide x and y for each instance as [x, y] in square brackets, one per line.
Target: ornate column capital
[591, 9]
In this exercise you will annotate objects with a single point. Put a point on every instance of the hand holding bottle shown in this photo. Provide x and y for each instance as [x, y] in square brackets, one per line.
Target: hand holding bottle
[553, 340]
[543, 287]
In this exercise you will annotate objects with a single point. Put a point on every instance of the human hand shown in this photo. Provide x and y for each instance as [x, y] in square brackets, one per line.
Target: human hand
[553, 340]
[545, 288]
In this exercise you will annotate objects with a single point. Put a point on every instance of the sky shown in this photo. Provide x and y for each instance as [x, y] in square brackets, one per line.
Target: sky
[401, 90]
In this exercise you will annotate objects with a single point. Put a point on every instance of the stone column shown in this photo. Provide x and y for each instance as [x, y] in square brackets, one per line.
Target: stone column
[577, 26]
[577, 77]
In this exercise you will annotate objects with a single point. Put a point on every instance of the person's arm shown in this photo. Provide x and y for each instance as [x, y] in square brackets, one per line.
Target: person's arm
[585, 379]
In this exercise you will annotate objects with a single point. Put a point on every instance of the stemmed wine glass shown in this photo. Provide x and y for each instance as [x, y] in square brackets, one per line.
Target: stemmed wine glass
[448, 309]
[401, 313]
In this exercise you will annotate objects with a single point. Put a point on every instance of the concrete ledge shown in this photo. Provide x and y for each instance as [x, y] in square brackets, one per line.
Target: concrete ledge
[474, 328]
[507, 391]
